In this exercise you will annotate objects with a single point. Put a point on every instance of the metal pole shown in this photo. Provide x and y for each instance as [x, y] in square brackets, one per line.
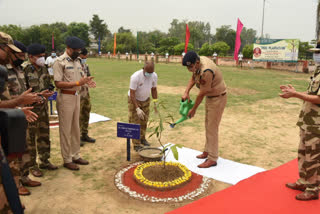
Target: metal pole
[264, 3]
[128, 149]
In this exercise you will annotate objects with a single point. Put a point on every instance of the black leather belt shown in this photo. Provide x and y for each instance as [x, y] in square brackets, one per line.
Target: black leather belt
[218, 95]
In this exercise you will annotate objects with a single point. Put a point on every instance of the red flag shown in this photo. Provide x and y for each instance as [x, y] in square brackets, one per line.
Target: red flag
[52, 41]
[114, 44]
[187, 39]
[238, 40]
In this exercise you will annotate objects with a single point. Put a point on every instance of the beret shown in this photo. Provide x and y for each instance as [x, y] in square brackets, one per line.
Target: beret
[190, 58]
[36, 49]
[20, 45]
[74, 42]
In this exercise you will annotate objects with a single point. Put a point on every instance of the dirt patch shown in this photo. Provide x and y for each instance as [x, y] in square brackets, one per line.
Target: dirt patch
[194, 91]
[158, 173]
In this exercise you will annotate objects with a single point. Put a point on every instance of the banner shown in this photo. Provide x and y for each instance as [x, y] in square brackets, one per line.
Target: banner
[238, 40]
[187, 39]
[276, 50]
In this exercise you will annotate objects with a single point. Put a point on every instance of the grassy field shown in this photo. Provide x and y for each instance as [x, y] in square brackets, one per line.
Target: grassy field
[257, 128]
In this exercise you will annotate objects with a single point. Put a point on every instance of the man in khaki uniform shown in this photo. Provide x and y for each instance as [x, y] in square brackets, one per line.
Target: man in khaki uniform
[69, 77]
[142, 82]
[208, 78]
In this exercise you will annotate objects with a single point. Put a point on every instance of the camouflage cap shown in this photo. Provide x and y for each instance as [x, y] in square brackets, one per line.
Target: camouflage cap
[7, 39]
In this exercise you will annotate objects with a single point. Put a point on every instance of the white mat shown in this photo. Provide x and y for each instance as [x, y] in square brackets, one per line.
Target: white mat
[94, 118]
[226, 171]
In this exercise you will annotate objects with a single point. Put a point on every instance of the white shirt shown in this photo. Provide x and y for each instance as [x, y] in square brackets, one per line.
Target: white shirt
[240, 56]
[49, 62]
[167, 55]
[142, 84]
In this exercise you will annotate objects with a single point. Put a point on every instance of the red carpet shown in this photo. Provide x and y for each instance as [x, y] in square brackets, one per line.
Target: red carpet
[263, 193]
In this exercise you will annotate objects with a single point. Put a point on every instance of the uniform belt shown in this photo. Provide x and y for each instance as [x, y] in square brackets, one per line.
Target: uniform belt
[69, 92]
[218, 95]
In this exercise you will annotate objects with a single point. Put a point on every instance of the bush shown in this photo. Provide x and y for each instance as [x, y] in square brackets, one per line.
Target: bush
[178, 49]
[206, 50]
[248, 51]
[221, 48]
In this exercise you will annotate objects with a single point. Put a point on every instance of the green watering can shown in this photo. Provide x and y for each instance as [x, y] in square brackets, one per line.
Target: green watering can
[185, 107]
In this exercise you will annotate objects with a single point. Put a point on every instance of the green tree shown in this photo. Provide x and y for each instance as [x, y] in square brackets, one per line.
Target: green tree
[221, 48]
[227, 35]
[167, 45]
[98, 28]
[16, 32]
[206, 50]
[122, 30]
[248, 36]
[178, 49]
[247, 51]
[303, 50]
[80, 30]
[126, 42]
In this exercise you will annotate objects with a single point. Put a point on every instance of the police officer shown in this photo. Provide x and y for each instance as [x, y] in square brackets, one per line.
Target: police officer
[142, 82]
[309, 146]
[208, 78]
[85, 104]
[38, 134]
[69, 77]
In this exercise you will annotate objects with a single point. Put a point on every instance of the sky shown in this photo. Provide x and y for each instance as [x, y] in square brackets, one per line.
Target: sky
[284, 19]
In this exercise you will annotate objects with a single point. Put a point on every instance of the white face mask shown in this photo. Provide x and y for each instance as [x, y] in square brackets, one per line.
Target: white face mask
[40, 61]
[83, 61]
[148, 74]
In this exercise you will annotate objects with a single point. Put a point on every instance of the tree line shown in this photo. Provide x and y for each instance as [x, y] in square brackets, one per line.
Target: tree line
[201, 40]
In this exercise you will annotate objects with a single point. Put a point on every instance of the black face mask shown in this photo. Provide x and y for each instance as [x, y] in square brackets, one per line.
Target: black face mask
[17, 62]
[74, 55]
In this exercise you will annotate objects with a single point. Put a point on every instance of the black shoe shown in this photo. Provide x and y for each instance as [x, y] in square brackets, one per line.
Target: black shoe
[88, 139]
[82, 143]
[145, 143]
[137, 148]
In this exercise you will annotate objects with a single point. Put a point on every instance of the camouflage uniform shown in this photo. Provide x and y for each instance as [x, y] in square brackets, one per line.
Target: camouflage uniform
[85, 104]
[309, 147]
[38, 131]
[133, 118]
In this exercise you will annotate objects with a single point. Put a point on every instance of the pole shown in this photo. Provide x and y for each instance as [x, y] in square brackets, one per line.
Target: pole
[137, 45]
[264, 3]
[128, 149]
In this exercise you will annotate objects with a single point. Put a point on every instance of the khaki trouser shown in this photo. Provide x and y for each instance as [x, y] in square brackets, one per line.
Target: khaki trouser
[309, 160]
[133, 117]
[68, 107]
[214, 110]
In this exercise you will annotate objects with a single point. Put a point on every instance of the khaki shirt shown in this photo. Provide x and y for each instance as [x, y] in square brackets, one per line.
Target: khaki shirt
[209, 78]
[67, 70]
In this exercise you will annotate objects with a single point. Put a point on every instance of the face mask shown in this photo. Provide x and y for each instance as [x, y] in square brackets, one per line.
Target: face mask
[148, 74]
[40, 61]
[83, 61]
[75, 55]
[17, 62]
[53, 54]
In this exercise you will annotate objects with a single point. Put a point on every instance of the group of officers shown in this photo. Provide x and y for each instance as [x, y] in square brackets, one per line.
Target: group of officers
[27, 84]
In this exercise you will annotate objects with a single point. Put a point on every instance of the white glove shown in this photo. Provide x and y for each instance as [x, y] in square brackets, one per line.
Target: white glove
[140, 113]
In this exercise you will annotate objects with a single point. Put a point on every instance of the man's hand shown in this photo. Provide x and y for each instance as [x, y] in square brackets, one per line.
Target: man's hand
[287, 91]
[91, 84]
[85, 80]
[185, 96]
[30, 115]
[191, 113]
[27, 97]
[46, 93]
[140, 113]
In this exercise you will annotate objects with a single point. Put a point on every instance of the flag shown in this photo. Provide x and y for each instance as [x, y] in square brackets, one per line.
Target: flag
[114, 44]
[52, 41]
[238, 40]
[99, 45]
[187, 39]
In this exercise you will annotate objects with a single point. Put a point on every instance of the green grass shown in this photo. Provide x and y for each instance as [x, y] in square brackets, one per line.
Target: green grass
[113, 77]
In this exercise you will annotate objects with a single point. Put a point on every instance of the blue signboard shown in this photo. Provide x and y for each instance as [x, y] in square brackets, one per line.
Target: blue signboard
[128, 130]
[54, 96]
